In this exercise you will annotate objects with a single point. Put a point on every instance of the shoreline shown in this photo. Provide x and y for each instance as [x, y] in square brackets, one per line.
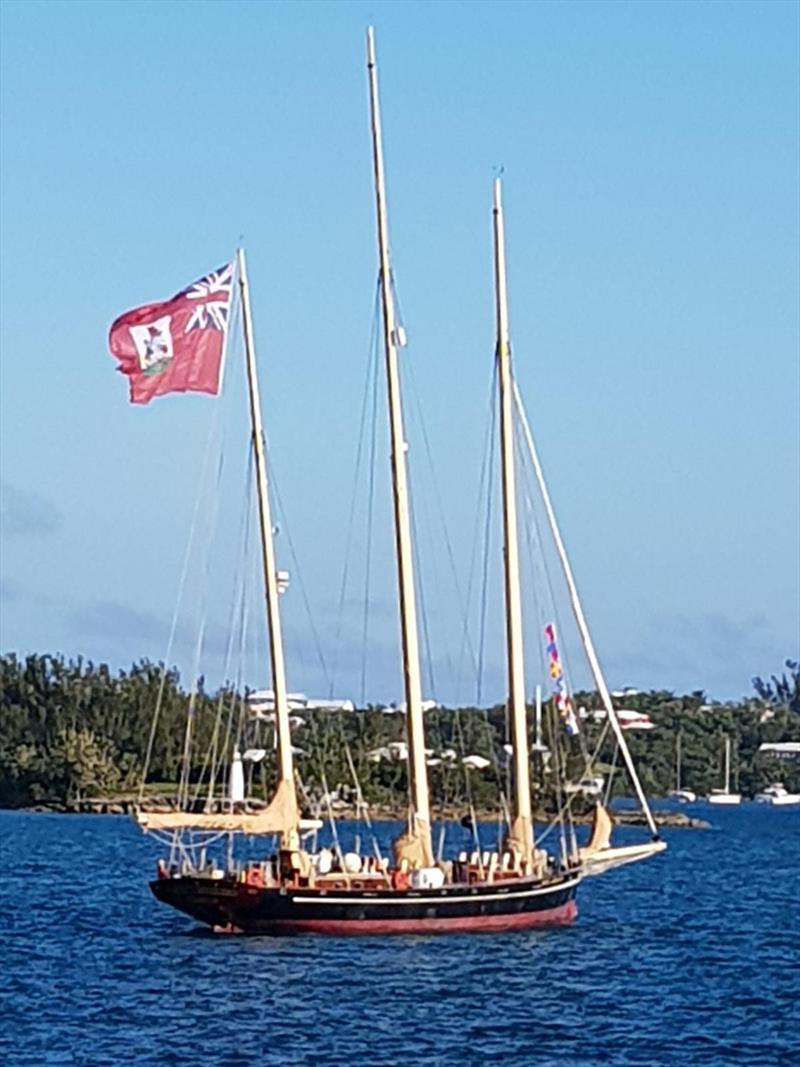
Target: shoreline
[378, 814]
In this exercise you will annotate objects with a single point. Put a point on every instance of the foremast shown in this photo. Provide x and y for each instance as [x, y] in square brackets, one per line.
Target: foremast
[281, 815]
[521, 829]
[415, 846]
[286, 795]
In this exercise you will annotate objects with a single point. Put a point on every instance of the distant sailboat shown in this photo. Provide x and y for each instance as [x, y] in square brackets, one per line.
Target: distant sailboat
[724, 795]
[685, 796]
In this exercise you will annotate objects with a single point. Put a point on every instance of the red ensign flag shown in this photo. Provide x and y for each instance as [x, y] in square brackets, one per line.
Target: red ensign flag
[177, 346]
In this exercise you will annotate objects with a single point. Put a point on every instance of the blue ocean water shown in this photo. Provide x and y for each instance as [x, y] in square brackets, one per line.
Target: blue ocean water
[689, 959]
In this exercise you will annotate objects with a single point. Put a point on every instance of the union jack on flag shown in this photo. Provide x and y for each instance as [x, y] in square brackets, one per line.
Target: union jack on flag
[213, 296]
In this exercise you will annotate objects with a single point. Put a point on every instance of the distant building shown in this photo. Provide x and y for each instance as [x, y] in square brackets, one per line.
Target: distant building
[635, 720]
[781, 749]
[628, 719]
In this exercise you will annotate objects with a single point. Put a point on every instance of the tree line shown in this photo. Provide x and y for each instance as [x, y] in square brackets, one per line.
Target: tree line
[72, 729]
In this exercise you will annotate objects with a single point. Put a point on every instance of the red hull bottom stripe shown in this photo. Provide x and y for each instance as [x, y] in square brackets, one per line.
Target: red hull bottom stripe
[561, 916]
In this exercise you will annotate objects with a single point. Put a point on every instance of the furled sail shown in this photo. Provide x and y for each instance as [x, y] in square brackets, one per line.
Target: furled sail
[601, 833]
[599, 856]
[279, 817]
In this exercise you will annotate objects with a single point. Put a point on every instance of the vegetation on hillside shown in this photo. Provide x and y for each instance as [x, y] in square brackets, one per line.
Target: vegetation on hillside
[70, 730]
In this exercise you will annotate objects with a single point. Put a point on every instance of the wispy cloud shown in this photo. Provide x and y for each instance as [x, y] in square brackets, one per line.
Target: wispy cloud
[121, 632]
[24, 513]
[711, 652]
[9, 591]
[353, 608]
[108, 619]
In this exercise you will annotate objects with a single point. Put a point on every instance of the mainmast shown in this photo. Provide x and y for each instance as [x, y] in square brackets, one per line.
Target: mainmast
[286, 795]
[418, 847]
[521, 832]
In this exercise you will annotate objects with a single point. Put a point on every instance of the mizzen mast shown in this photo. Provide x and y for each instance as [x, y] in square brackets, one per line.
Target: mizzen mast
[417, 847]
[521, 830]
[286, 796]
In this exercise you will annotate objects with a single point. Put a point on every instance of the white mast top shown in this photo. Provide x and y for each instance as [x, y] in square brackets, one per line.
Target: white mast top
[521, 825]
[417, 771]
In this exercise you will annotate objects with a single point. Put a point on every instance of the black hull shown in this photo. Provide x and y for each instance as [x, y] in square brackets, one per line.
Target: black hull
[225, 904]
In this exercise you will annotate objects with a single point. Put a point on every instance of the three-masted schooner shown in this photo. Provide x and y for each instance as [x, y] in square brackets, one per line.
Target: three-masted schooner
[518, 886]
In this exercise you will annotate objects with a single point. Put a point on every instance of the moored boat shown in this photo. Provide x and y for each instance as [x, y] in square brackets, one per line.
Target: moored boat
[724, 795]
[777, 795]
[680, 793]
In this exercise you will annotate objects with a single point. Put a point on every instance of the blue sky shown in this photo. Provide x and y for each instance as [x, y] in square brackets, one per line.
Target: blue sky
[651, 169]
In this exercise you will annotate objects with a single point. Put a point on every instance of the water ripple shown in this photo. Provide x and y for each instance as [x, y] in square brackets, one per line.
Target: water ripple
[688, 960]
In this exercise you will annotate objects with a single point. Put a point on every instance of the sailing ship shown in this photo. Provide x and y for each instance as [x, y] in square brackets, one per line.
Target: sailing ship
[724, 795]
[294, 889]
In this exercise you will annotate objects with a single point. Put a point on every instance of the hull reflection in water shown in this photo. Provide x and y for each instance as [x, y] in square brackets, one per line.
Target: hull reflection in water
[235, 906]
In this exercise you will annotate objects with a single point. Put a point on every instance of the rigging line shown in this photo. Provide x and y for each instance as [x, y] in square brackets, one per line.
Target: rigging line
[370, 519]
[554, 614]
[421, 594]
[488, 741]
[320, 754]
[181, 587]
[363, 807]
[537, 561]
[334, 832]
[234, 627]
[371, 371]
[485, 574]
[567, 802]
[612, 768]
[193, 693]
[495, 763]
[611, 773]
[210, 754]
[580, 619]
[458, 729]
[439, 498]
[301, 583]
[486, 461]
[555, 749]
[238, 691]
[235, 612]
[409, 375]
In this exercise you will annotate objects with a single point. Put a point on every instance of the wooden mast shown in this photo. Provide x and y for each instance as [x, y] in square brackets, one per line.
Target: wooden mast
[521, 831]
[286, 796]
[418, 848]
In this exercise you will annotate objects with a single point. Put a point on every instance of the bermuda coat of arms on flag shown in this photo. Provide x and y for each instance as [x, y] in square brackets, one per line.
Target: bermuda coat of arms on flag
[176, 346]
